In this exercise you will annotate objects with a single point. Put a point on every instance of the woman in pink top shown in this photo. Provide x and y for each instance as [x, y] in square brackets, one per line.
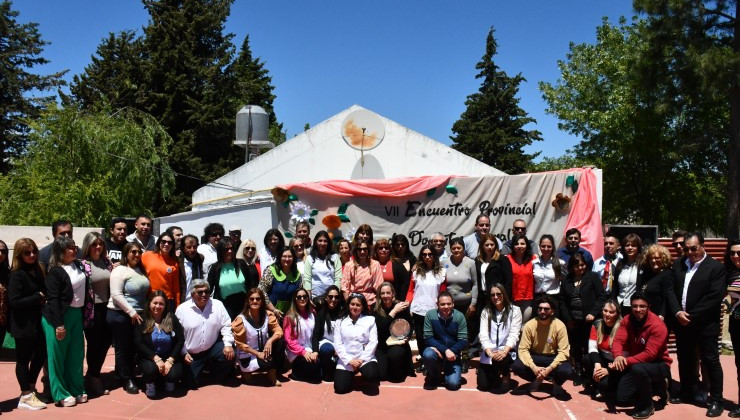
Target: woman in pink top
[522, 285]
[298, 328]
[362, 274]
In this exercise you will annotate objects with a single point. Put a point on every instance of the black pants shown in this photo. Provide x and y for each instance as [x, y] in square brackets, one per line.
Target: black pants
[490, 375]
[561, 373]
[234, 304]
[394, 362]
[150, 371]
[688, 342]
[419, 332]
[369, 371]
[637, 382]
[735, 337]
[578, 334]
[306, 371]
[30, 359]
[99, 340]
[219, 365]
[122, 331]
[607, 386]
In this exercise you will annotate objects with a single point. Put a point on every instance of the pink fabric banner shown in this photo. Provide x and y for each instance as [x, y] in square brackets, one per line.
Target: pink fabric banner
[395, 187]
[585, 216]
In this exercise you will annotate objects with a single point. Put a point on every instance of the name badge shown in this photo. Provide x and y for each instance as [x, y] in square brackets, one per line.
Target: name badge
[549, 340]
[642, 340]
[169, 270]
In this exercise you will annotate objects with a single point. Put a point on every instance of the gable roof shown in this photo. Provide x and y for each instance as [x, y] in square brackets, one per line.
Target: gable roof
[321, 154]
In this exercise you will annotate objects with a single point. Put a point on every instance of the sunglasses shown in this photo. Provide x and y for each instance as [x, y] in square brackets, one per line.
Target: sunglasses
[301, 297]
[363, 250]
[201, 292]
[520, 229]
[4, 251]
[166, 242]
[427, 254]
[25, 254]
[383, 248]
[250, 248]
[541, 309]
[332, 297]
[496, 294]
[298, 246]
[691, 248]
[255, 299]
[732, 253]
[677, 244]
[135, 252]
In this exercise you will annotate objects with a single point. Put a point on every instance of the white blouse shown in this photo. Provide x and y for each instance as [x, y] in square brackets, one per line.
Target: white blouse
[355, 340]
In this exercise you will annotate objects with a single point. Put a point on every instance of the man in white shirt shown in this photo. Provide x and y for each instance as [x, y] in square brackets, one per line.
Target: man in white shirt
[143, 234]
[203, 319]
[605, 265]
[438, 242]
[211, 235]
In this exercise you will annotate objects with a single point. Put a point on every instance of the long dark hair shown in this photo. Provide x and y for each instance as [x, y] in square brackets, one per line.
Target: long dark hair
[274, 232]
[263, 305]
[556, 266]
[420, 268]
[490, 307]
[332, 314]
[170, 254]
[166, 324]
[293, 313]
[635, 240]
[60, 244]
[401, 238]
[363, 302]
[728, 261]
[221, 247]
[527, 256]
[279, 263]
[574, 260]
[329, 247]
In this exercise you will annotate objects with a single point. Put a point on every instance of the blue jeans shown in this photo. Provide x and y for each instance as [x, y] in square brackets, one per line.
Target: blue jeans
[435, 364]
[327, 361]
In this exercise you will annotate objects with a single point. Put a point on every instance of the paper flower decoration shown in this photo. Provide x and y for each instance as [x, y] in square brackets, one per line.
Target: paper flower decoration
[332, 222]
[300, 212]
[280, 195]
[350, 233]
[561, 202]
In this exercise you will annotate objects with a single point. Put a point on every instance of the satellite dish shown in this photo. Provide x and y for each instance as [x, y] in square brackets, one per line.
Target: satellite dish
[362, 130]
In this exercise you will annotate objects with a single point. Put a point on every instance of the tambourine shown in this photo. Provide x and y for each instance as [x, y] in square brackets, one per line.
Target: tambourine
[400, 329]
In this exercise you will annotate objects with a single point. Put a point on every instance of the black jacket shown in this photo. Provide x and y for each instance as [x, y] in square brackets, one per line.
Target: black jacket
[499, 271]
[658, 289]
[59, 294]
[25, 303]
[197, 273]
[401, 279]
[145, 348]
[319, 325]
[704, 296]
[592, 295]
[248, 272]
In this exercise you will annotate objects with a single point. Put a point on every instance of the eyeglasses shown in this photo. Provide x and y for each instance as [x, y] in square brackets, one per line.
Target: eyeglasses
[67, 233]
[332, 297]
[200, 292]
[427, 255]
[255, 299]
[542, 309]
[250, 248]
[691, 248]
[438, 241]
[301, 297]
[26, 253]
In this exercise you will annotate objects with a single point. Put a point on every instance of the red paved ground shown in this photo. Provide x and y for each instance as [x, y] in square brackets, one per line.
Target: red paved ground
[305, 401]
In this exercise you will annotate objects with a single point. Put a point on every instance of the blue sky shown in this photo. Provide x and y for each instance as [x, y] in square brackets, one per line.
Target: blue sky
[410, 61]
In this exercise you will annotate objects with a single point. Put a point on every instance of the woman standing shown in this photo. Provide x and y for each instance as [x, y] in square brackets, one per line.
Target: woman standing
[362, 274]
[274, 244]
[279, 282]
[583, 296]
[462, 283]
[732, 264]
[500, 324]
[298, 327]
[97, 335]
[4, 278]
[491, 267]
[257, 336]
[322, 268]
[382, 251]
[403, 263]
[322, 339]
[548, 270]
[344, 248]
[249, 255]
[522, 284]
[627, 272]
[191, 265]
[657, 281]
[364, 233]
[27, 295]
[228, 278]
[297, 245]
[394, 359]
[159, 340]
[67, 287]
[163, 271]
[128, 289]
[427, 280]
[355, 341]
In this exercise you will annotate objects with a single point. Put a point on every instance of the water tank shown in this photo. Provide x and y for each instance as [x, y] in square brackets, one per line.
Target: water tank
[252, 119]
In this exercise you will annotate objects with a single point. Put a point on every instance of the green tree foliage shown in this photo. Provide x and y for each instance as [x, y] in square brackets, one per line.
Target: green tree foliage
[492, 127]
[566, 161]
[697, 44]
[20, 89]
[654, 173]
[186, 72]
[87, 167]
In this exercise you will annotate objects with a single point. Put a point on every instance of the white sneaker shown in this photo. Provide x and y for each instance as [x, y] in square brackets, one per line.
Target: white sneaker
[151, 390]
[30, 402]
[67, 402]
[169, 386]
[534, 386]
[81, 399]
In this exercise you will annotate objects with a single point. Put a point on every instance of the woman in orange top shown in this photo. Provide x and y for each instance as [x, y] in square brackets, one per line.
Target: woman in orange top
[522, 285]
[163, 270]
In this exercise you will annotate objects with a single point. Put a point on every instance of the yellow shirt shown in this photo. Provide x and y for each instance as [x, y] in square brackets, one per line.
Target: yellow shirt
[547, 340]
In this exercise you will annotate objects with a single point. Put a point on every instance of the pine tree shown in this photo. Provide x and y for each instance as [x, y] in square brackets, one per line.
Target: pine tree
[20, 49]
[492, 127]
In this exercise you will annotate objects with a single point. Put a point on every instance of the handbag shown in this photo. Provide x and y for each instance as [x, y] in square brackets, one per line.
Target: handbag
[88, 309]
[4, 304]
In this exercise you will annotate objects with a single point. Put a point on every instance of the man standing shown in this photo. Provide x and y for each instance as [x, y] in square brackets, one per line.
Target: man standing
[438, 242]
[678, 242]
[303, 231]
[235, 233]
[573, 238]
[519, 228]
[211, 234]
[143, 234]
[59, 228]
[116, 239]
[482, 226]
[203, 320]
[605, 265]
[544, 349]
[177, 234]
[640, 349]
[446, 336]
[700, 288]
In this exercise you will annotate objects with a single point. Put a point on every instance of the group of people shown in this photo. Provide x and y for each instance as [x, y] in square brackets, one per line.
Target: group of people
[175, 305]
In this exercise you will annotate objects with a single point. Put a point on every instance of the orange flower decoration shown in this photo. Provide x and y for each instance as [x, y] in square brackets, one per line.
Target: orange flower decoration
[561, 202]
[280, 194]
[332, 221]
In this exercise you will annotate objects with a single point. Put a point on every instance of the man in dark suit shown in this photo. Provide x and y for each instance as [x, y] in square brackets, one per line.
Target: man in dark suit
[700, 287]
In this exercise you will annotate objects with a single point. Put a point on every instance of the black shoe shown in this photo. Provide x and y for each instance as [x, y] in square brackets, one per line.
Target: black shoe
[645, 413]
[715, 409]
[130, 387]
[734, 413]
[465, 367]
[430, 385]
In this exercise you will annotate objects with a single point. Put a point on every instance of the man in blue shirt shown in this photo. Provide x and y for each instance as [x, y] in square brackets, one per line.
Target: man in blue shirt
[446, 336]
[573, 236]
